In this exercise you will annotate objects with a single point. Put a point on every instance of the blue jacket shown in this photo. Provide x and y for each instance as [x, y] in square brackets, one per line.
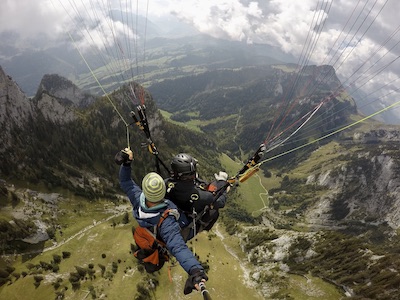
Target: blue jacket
[170, 229]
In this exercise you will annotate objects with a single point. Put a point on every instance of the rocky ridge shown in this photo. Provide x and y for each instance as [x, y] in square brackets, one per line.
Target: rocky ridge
[364, 189]
[13, 105]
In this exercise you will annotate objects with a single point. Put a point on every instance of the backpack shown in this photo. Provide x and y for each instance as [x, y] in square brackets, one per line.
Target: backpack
[152, 252]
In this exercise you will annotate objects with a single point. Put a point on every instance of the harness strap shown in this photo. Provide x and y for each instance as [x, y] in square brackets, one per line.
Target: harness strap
[154, 233]
[194, 231]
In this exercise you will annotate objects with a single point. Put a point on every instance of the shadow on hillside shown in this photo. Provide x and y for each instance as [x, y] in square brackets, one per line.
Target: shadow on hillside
[32, 251]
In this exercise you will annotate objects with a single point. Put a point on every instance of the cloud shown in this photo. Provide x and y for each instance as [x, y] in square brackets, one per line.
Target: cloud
[30, 18]
[358, 38]
[228, 19]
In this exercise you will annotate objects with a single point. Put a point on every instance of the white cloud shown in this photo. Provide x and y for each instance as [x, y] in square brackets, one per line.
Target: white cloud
[30, 18]
[223, 19]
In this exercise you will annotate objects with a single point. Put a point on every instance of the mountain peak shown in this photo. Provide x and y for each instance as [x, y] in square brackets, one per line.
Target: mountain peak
[14, 106]
[323, 74]
[64, 90]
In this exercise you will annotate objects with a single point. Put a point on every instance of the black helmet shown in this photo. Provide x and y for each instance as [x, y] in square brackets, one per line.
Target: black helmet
[183, 164]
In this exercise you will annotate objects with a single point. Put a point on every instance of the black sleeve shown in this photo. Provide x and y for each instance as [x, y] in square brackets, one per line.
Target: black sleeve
[205, 198]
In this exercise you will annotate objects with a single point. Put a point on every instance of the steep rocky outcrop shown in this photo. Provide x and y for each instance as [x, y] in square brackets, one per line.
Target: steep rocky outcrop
[378, 135]
[32, 126]
[56, 103]
[63, 121]
[15, 106]
[322, 74]
[365, 188]
[58, 98]
[64, 90]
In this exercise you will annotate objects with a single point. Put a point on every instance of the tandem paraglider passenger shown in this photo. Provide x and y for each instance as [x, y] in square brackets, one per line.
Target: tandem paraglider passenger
[159, 231]
[197, 199]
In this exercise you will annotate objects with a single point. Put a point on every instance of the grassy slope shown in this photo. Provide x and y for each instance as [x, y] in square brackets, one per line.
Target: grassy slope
[85, 248]
[305, 288]
[102, 238]
[253, 193]
[195, 123]
[227, 275]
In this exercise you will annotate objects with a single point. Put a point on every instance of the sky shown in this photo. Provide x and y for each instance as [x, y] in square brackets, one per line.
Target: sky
[358, 37]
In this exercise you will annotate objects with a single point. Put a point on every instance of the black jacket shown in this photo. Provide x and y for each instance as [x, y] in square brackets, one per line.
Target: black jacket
[189, 195]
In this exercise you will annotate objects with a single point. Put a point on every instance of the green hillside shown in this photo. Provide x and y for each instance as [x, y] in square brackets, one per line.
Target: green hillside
[294, 230]
[93, 240]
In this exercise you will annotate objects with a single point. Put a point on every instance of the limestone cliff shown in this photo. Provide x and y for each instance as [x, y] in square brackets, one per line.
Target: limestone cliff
[364, 186]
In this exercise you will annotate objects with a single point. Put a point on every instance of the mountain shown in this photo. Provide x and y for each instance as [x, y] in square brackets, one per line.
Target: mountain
[242, 104]
[58, 121]
[359, 184]
[327, 211]
[323, 204]
[167, 53]
[59, 186]
[238, 105]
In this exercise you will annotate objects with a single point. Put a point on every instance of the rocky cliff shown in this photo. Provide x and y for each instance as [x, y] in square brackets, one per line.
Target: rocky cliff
[13, 105]
[364, 186]
[64, 90]
[56, 100]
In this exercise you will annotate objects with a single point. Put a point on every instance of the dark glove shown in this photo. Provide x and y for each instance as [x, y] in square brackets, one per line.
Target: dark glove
[124, 157]
[196, 276]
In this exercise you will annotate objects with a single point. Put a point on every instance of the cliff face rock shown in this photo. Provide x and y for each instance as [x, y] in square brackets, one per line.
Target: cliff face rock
[14, 103]
[378, 135]
[30, 128]
[57, 100]
[365, 189]
[64, 90]
[15, 106]
[323, 74]
[55, 110]
[56, 123]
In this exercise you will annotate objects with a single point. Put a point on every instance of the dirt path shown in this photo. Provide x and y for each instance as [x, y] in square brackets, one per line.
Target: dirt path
[243, 266]
[121, 211]
[57, 245]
